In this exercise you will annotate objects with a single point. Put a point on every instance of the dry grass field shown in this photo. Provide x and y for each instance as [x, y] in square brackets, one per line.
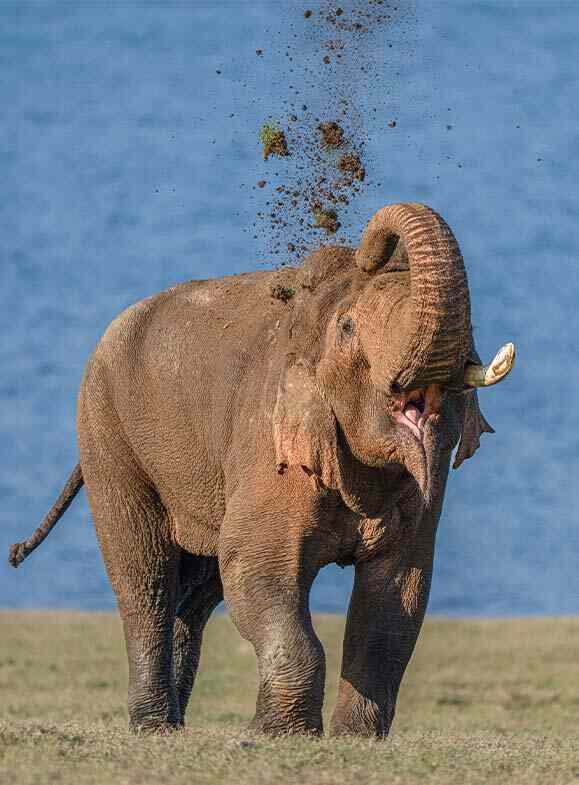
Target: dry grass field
[483, 702]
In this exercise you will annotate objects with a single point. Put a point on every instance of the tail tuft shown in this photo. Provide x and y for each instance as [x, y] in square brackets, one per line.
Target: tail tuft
[18, 552]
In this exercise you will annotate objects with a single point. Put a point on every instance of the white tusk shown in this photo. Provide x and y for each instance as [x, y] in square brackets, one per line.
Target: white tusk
[494, 372]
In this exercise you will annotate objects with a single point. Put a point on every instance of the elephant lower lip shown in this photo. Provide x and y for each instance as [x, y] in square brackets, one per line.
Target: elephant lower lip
[414, 409]
[412, 419]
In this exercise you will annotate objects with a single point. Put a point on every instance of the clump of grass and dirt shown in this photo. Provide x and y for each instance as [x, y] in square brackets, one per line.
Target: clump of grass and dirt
[325, 218]
[332, 134]
[273, 140]
[350, 164]
[482, 702]
[283, 293]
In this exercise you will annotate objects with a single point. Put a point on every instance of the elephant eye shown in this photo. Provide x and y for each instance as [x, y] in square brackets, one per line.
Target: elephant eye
[347, 327]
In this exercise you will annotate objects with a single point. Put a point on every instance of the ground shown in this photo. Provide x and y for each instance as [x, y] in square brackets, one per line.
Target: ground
[483, 702]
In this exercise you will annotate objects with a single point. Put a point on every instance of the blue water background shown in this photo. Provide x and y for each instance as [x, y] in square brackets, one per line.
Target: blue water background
[125, 161]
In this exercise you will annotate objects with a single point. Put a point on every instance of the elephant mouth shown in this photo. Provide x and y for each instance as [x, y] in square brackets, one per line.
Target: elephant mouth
[414, 409]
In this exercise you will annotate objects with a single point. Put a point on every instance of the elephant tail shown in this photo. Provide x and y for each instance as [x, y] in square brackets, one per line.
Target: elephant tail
[20, 550]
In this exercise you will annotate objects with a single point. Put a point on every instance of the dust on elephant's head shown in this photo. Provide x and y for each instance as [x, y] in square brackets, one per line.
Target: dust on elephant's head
[382, 366]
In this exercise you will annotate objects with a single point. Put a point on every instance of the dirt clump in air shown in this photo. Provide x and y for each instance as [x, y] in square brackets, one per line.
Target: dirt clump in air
[332, 134]
[325, 218]
[273, 140]
[350, 164]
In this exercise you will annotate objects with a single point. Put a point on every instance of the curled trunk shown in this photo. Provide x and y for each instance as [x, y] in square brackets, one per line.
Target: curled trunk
[434, 333]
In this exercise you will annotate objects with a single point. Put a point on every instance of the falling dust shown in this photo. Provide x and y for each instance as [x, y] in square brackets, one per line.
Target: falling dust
[336, 52]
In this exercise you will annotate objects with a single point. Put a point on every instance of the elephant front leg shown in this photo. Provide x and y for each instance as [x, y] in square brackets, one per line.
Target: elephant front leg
[269, 556]
[290, 657]
[291, 664]
[384, 619]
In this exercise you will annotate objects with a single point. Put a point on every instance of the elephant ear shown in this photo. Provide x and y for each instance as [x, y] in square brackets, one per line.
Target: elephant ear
[473, 423]
[304, 425]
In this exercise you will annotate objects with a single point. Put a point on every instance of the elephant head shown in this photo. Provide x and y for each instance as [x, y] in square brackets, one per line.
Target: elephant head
[382, 369]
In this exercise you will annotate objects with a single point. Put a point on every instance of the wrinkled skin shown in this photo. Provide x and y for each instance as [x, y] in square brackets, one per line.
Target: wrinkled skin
[233, 444]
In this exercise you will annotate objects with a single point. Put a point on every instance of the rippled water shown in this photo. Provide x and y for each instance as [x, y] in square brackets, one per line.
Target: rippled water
[124, 171]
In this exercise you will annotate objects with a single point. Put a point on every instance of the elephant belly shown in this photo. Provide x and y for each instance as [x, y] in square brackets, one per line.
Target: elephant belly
[191, 490]
[195, 535]
[196, 516]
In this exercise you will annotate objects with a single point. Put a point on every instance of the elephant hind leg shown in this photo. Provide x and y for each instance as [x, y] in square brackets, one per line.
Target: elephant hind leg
[200, 593]
[143, 565]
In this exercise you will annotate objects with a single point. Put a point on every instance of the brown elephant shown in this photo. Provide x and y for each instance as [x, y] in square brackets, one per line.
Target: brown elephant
[238, 434]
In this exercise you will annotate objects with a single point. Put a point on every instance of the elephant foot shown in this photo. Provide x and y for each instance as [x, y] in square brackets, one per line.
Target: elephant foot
[276, 727]
[156, 728]
[359, 730]
[151, 718]
[274, 721]
[363, 718]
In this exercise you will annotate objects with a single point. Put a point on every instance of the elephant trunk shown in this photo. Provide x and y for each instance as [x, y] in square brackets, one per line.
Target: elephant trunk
[434, 333]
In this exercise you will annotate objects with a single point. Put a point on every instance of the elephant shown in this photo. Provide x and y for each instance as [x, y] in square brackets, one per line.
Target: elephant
[238, 434]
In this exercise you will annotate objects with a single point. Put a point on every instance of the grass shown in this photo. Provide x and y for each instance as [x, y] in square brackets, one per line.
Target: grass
[283, 293]
[273, 140]
[483, 702]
